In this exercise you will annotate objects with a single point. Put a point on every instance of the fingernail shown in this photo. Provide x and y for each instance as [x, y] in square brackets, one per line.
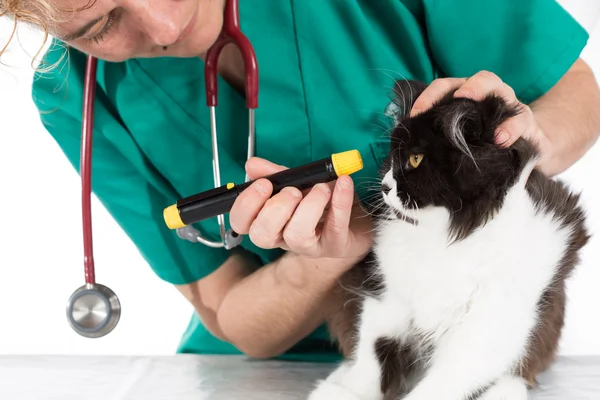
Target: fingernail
[293, 191]
[502, 137]
[345, 183]
[260, 187]
[324, 188]
[463, 93]
[415, 111]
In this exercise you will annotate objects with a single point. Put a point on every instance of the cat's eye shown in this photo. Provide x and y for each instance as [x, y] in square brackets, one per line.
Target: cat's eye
[415, 159]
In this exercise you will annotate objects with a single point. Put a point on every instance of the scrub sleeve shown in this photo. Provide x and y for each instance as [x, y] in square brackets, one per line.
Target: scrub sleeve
[529, 44]
[326, 75]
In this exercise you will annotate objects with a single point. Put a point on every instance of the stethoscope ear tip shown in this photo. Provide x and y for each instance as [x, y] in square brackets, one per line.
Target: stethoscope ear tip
[93, 310]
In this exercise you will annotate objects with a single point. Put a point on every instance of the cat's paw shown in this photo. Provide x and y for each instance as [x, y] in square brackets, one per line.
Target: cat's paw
[507, 388]
[326, 390]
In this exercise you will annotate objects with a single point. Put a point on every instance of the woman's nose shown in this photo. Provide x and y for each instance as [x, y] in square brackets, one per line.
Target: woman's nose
[163, 26]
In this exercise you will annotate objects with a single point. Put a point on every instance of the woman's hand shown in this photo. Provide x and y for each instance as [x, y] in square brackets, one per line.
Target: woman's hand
[477, 87]
[326, 222]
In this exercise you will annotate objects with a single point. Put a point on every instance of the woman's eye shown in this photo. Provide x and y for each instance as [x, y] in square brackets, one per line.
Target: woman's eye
[100, 36]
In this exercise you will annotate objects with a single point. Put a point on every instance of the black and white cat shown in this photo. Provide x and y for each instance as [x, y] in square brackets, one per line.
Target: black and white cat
[463, 296]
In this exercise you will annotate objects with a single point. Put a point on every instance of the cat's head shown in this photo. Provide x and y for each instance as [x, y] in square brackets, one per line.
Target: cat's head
[447, 157]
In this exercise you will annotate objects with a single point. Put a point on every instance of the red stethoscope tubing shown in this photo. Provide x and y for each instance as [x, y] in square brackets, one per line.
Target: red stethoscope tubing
[231, 33]
[89, 92]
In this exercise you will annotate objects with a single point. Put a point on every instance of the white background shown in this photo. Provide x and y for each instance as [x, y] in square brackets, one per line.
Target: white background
[41, 258]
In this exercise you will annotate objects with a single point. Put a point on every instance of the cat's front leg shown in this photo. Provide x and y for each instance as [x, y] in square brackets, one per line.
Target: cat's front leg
[479, 350]
[363, 376]
[332, 387]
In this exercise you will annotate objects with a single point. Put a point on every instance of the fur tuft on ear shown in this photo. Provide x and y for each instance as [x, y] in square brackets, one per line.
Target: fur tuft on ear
[469, 122]
[405, 93]
[461, 122]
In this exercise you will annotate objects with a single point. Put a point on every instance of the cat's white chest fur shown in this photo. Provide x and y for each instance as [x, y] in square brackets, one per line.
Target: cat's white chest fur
[436, 282]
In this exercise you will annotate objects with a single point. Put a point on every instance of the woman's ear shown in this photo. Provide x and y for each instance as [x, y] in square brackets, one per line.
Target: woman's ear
[405, 93]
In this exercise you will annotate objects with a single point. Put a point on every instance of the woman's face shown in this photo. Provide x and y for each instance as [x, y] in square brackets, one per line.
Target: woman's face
[116, 30]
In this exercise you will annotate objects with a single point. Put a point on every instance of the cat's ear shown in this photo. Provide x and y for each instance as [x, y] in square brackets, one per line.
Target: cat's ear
[494, 111]
[466, 120]
[405, 93]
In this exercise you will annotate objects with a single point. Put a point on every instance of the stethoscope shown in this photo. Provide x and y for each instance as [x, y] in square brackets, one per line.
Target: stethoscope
[94, 310]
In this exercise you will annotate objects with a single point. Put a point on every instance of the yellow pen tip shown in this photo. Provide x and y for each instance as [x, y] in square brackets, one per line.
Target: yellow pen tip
[347, 163]
[172, 218]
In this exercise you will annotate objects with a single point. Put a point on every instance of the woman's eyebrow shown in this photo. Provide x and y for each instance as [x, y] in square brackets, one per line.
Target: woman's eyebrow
[82, 31]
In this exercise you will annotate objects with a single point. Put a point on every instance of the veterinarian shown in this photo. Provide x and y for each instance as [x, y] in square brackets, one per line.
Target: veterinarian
[326, 75]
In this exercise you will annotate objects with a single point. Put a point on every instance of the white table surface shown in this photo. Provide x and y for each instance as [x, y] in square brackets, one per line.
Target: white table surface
[193, 377]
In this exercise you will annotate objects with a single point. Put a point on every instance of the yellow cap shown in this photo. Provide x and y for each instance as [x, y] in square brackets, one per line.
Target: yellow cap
[347, 163]
[172, 219]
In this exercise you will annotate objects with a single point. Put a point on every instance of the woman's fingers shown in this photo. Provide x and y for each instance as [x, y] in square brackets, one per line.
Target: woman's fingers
[477, 87]
[266, 230]
[513, 128]
[258, 167]
[484, 83]
[337, 222]
[434, 92]
[314, 222]
[301, 233]
[250, 202]
[248, 205]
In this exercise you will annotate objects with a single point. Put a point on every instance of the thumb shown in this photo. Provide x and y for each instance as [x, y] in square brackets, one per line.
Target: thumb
[257, 167]
[337, 222]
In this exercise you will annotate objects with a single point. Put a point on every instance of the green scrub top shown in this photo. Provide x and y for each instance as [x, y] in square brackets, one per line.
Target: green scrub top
[326, 74]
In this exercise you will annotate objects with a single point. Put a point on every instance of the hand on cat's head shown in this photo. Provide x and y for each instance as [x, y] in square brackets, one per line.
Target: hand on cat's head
[478, 87]
[444, 149]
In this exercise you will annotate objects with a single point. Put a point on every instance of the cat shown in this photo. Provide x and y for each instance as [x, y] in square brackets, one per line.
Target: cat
[463, 295]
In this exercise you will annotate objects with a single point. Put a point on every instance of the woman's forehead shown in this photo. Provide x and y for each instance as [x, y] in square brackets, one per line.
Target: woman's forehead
[75, 15]
[75, 6]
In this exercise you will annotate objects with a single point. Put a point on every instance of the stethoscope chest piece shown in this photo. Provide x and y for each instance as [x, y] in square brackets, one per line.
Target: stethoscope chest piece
[93, 310]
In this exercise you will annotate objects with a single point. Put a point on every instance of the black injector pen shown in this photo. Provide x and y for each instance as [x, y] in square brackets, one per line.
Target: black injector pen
[217, 201]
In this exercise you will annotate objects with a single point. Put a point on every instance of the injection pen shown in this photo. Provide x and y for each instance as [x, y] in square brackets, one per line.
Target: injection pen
[217, 201]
